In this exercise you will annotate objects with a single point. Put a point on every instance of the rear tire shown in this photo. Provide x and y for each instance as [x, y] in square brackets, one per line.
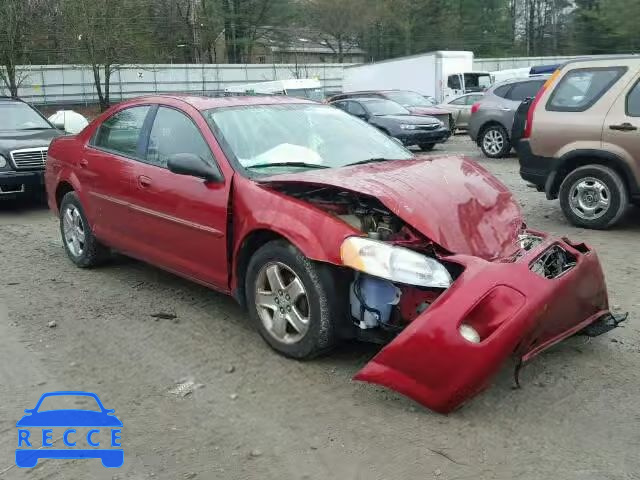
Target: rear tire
[593, 196]
[320, 305]
[82, 247]
[494, 141]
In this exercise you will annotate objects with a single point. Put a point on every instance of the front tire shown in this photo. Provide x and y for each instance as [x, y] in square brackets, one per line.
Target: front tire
[593, 196]
[82, 247]
[494, 141]
[427, 147]
[292, 300]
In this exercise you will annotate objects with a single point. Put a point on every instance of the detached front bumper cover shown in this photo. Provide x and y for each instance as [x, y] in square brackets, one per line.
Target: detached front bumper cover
[517, 311]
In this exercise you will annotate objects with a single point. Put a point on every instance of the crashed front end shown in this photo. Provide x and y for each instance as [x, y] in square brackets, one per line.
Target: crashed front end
[516, 306]
[443, 271]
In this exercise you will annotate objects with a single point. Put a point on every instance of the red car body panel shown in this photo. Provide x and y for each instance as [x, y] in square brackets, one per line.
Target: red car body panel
[198, 230]
[450, 200]
[430, 361]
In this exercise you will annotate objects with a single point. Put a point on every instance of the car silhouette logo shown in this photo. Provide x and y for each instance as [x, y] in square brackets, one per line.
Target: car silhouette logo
[103, 428]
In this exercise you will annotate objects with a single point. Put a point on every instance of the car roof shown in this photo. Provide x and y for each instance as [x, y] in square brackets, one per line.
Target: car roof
[4, 98]
[206, 103]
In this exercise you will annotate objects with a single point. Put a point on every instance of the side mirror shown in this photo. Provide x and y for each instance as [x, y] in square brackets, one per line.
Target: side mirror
[59, 124]
[193, 165]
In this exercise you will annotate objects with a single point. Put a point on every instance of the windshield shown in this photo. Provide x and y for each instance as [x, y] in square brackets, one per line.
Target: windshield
[20, 116]
[69, 402]
[411, 99]
[385, 107]
[477, 82]
[317, 135]
[308, 93]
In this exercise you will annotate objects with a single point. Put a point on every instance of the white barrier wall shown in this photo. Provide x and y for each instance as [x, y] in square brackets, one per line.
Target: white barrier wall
[73, 84]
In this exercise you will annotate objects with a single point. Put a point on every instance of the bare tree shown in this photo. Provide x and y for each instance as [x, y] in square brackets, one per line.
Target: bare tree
[109, 34]
[15, 16]
[340, 21]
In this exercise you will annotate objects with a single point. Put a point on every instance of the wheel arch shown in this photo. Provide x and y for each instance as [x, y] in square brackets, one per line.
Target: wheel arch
[249, 244]
[580, 158]
[62, 189]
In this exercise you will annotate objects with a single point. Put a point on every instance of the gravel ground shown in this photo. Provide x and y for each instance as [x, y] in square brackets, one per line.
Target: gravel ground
[251, 414]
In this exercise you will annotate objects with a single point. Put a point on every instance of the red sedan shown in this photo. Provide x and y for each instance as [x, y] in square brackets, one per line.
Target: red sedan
[326, 229]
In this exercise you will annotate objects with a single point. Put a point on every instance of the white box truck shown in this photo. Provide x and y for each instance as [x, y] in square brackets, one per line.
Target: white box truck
[441, 75]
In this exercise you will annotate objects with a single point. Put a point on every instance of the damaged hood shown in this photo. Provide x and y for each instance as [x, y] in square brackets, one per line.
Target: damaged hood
[450, 199]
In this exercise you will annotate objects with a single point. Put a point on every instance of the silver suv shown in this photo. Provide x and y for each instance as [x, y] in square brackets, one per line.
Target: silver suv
[492, 117]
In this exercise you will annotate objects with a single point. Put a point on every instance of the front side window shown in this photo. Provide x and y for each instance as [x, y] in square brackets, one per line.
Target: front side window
[633, 101]
[172, 133]
[120, 133]
[20, 116]
[502, 91]
[305, 135]
[477, 81]
[454, 82]
[581, 88]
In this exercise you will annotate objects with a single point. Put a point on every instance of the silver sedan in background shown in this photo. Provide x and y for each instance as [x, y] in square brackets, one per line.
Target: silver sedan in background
[460, 108]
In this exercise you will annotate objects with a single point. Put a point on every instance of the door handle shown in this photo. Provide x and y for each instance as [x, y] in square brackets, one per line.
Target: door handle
[83, 163]
[144, 181]
[505, 109]
[624, 127]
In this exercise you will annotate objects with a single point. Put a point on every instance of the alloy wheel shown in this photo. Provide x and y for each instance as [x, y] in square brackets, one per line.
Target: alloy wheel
[74, 232]
[282, 303]
[589, 198]
[493, 142]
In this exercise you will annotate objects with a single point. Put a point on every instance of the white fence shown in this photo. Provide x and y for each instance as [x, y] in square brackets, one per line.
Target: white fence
[73, 84]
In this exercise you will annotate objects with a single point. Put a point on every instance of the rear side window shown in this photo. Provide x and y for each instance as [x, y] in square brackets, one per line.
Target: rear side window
[502, 91]
[121, 132]
[581, 88]
[523, 90]
[633, 101]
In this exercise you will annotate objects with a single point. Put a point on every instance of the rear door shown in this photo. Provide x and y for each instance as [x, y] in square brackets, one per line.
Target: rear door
[107, 169]
[621, 129]
[180, 221]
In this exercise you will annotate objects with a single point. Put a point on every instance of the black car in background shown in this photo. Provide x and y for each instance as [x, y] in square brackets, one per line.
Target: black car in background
[24, 139]
[396, 121]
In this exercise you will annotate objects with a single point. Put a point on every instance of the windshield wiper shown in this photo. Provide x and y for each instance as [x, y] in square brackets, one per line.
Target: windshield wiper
[288, 164]
[37, 128]
[368, 160]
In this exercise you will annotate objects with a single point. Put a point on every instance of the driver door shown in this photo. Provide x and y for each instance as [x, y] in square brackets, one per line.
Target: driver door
[180, 221]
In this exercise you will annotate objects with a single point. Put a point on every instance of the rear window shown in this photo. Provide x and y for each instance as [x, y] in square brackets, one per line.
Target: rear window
[523, 90]
[502, 91]
[581, 88]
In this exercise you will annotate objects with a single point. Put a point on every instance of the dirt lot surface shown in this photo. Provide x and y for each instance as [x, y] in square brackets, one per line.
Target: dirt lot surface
[252, 414]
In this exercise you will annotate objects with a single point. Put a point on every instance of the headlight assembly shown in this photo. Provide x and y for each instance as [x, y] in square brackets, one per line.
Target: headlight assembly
[397, 264]
[3, 162]
[405, 126]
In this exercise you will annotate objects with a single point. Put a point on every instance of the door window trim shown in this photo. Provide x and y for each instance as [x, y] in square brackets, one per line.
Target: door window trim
[147, 136]
[621, 71]
[626, 100]
[91, 143]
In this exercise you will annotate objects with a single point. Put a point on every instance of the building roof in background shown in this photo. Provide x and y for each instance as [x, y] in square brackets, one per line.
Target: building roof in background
[301, 40]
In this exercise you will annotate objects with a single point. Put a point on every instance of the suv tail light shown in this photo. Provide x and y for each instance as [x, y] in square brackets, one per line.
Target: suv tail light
[475, 107]
[528, 127]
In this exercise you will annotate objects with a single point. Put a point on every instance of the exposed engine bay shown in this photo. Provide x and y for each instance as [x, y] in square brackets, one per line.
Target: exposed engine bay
[376, 303]
[366, 214]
